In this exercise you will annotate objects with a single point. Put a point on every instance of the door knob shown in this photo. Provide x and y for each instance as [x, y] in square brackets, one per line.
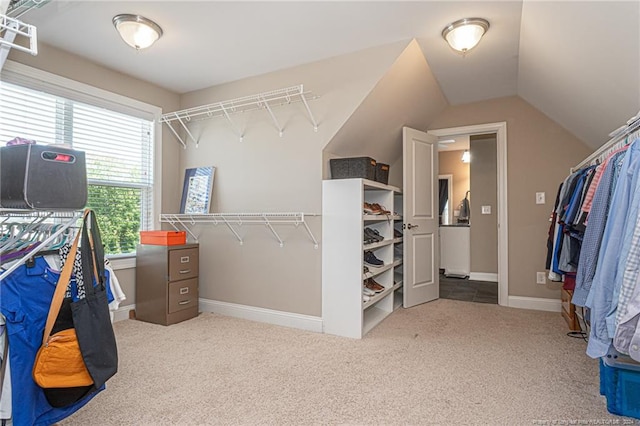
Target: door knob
[410, 226]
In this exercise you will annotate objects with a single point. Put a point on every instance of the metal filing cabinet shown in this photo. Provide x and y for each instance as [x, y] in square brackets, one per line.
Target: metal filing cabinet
[166, 283]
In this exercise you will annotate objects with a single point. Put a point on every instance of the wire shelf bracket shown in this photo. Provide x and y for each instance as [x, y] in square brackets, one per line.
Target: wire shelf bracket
[265, 100]
[184, 222]
[9, 29]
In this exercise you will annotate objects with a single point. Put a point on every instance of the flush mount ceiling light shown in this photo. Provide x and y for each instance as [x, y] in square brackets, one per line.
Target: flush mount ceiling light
[464, 34]
[137, 31]
[466, 156]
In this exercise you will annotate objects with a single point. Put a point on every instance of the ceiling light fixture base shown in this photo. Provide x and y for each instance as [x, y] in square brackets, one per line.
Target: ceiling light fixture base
[137, 31]
[464, 34]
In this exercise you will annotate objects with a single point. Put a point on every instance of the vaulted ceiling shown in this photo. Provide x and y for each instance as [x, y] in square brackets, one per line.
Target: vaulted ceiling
[576, 61]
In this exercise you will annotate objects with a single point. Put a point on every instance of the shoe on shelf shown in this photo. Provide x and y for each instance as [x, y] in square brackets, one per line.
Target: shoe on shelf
[371, 259]
[368, 239]
[367, 209]
[367, 291]
[397, 233]
[365, 270]
[365, 298]
[372, 285]
[373, 234]
[378, 209]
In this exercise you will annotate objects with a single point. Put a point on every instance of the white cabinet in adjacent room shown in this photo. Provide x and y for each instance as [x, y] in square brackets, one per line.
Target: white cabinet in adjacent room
[455, 250]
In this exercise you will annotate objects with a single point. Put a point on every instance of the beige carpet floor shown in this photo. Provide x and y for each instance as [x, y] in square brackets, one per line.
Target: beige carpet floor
[445, 362]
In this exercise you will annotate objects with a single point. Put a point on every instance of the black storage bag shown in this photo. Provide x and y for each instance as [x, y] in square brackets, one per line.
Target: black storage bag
[91, 314]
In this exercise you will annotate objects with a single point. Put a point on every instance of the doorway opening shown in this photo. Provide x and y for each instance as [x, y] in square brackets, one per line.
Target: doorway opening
[445, 199]
[500, 208]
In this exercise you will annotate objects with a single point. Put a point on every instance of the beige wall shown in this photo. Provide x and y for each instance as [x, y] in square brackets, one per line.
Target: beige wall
[406, 95]
[79, 69]
[484, 187]
[268, 173]
[450, 163]
[539, 155]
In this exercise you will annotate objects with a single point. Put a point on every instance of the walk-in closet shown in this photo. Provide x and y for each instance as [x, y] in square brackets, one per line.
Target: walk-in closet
[266, 212]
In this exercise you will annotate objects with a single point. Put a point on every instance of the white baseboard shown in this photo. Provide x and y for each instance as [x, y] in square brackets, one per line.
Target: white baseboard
[536, 303]
[122, 313]
[483, 276]
[269, 316]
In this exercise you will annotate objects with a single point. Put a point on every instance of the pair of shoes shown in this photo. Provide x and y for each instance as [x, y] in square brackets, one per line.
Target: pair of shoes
[371, 259]
[368, 239]
[372, 235]
[374, 208]
[374, 286]
[378, 209]
[368, 292]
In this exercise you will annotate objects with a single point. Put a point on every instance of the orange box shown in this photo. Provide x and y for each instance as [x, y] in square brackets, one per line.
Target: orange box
[163, 238]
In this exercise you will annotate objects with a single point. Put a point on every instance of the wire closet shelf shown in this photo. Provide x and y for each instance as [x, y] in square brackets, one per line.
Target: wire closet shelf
[265, 100]
[182, 222]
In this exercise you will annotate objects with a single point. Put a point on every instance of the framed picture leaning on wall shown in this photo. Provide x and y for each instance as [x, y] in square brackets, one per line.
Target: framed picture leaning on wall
[196, 190]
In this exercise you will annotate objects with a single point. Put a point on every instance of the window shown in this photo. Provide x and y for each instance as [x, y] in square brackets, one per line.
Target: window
[118, 149]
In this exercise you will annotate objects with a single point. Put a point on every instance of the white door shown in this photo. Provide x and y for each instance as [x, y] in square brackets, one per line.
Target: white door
[420, 209]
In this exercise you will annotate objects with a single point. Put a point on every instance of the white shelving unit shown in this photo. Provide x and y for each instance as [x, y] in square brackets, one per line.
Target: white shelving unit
[344, 312]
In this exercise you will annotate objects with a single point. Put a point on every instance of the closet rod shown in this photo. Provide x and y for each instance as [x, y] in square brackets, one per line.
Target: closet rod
[617, 136]
[70, 220]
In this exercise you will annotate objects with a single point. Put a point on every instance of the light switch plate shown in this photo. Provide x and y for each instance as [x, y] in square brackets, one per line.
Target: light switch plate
[541, 278]
[540, 198]
[486, 209]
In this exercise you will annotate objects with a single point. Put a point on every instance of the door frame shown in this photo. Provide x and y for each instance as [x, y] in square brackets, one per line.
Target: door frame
[500, 129]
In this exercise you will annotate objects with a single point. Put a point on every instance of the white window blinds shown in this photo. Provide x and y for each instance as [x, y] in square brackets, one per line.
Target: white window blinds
[118, 149]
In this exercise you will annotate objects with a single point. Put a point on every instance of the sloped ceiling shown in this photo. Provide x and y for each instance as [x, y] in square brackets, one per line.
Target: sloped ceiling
[577, 61]
[580, 64]
[408, 94]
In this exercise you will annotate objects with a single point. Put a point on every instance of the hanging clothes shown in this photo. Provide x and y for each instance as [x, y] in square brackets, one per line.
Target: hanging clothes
[5, 374]
[598, 212]
[26, 296]
[603, 297]
[627, 335]
[465, 209]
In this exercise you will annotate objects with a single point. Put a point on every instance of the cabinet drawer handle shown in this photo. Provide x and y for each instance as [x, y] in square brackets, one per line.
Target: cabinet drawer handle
[184, 290]
[184, 259]
[185, 271]
[184, 302]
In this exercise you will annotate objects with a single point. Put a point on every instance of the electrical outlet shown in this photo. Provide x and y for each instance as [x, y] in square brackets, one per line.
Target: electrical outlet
[540, 198]
[541, 278]
[486, 209]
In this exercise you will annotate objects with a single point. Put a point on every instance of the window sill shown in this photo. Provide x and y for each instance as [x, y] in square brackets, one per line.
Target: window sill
[122, 261]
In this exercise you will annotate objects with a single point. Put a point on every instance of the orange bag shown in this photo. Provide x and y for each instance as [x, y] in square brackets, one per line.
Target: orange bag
[59, 362]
